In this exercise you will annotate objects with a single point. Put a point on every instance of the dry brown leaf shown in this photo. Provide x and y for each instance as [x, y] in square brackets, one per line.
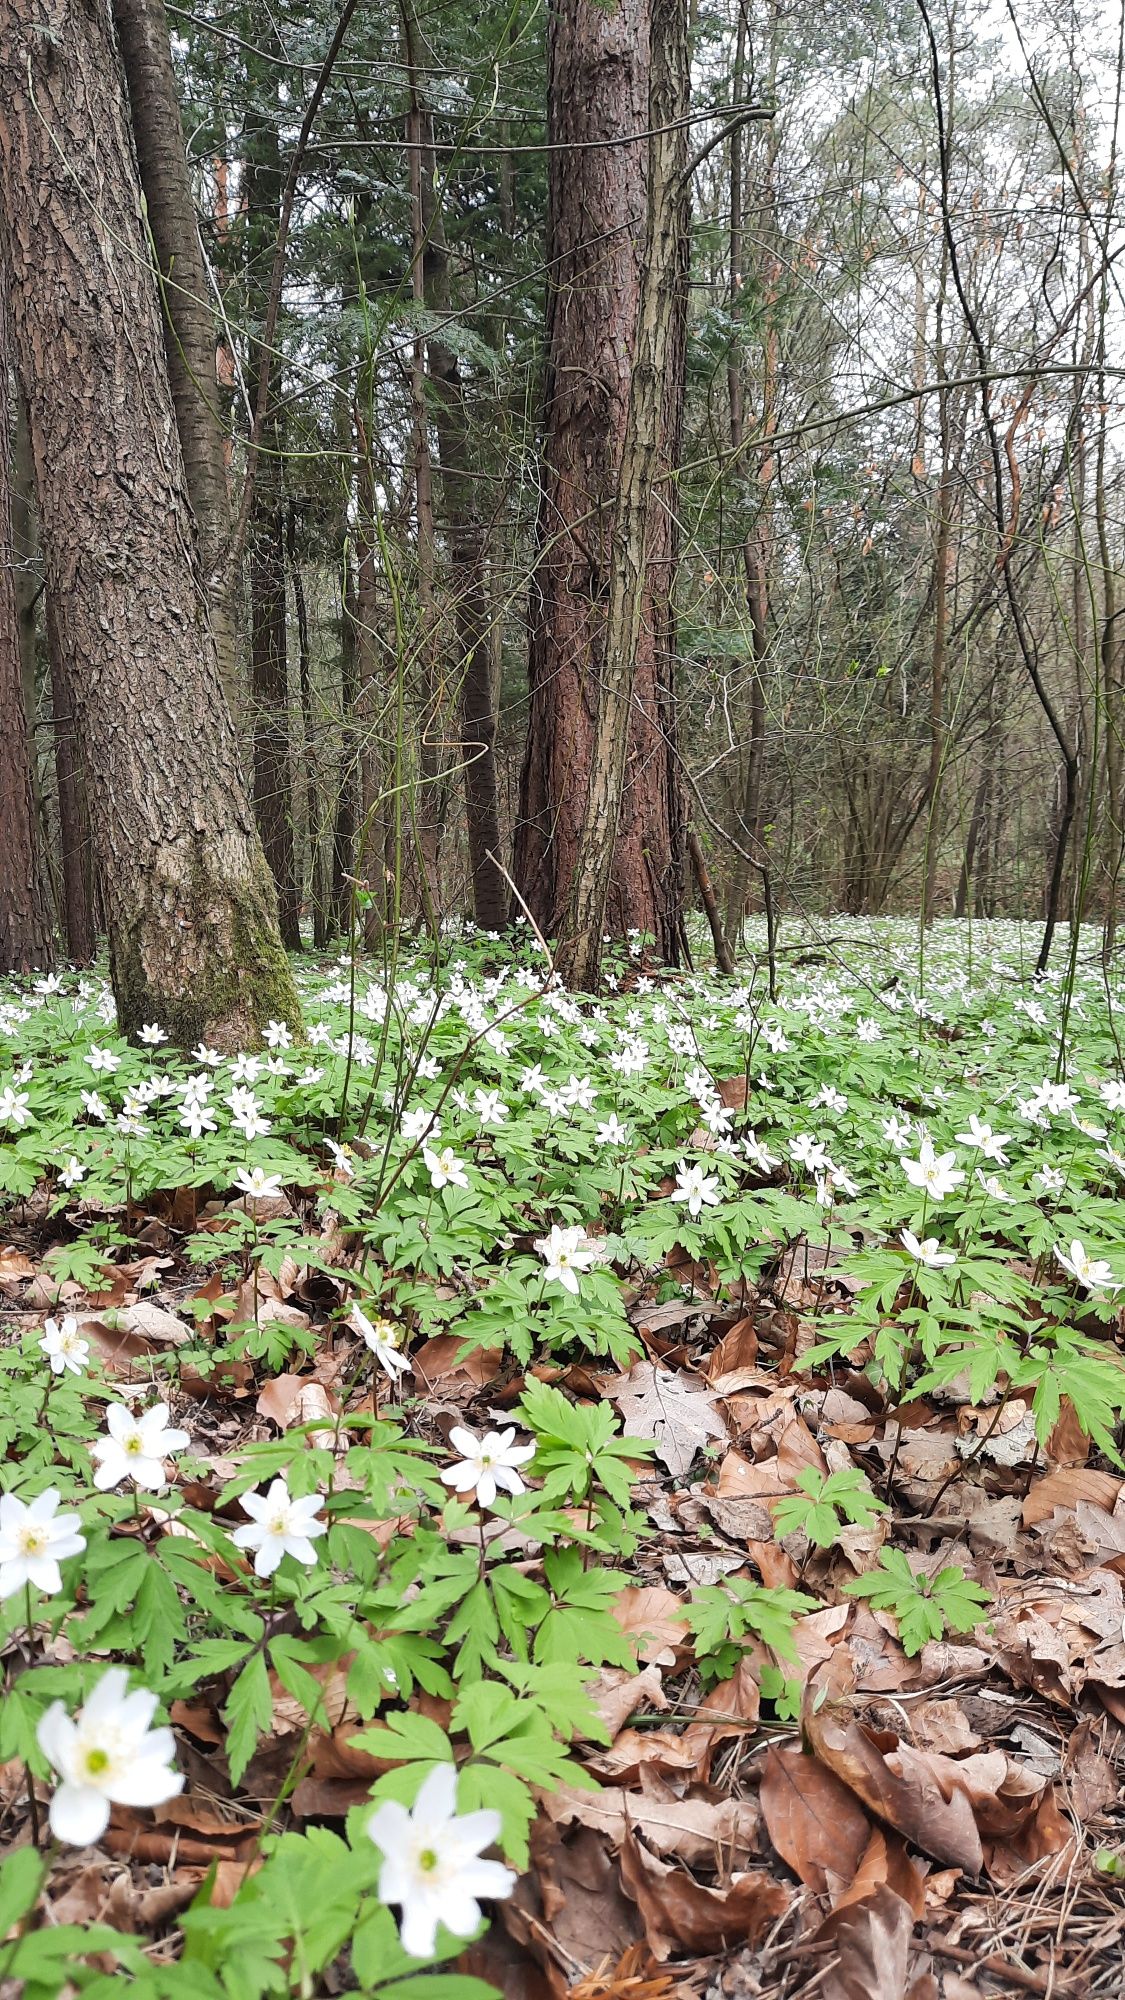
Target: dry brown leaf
[942, 1725]
[1065, 1486]
[885, 1860]
[941, 1827]
[674, 1410]
[680, 1913]
[436, 1361]
[568, 1909]
[873, 1941]
[692, 1830]
[616, 1695]
[290, 1400]
[815, 1822]
[736, 1351]
[655, 1618]
[14, 1266]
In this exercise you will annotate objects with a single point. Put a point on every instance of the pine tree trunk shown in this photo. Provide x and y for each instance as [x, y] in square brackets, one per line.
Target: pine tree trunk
[25, 932]
[343, 831]
[598, 83]
[191, 913]
[189, 338]
[74, 819]
[464, 526]
[269, 655]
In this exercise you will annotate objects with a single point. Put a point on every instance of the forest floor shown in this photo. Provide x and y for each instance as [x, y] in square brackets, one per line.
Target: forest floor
[706, 1410]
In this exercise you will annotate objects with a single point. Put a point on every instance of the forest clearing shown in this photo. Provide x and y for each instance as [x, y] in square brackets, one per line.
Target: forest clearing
[562, 1083]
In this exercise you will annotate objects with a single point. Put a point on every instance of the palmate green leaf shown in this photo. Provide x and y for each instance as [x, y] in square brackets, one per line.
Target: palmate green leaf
[823, 1502]
[158, 1618]
[580, 1625]
[924, 1608]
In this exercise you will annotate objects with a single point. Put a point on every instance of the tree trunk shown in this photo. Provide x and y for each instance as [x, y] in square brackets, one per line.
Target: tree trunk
[25, 932]
[269, 657]
[598, 82]
[319, 892]
[189, 338]
[757, 547]
[191, 913]
[343, 831]
[74, 819]
[638, 610]
[466, 530]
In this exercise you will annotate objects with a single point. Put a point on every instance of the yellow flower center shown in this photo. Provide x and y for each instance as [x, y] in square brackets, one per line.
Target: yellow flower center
[32, 1540]
[96, 1761]
[427, 1860]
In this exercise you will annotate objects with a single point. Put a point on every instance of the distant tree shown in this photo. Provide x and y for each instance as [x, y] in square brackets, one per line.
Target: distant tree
[583, 688]
[189, 336]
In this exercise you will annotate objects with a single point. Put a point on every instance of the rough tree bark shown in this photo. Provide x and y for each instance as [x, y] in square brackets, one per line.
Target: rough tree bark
[75, 844]
[598, 62]
[189, 337]
[190, 908]
[269, 655]
[466, 529]
[25, 932]
[634, 610]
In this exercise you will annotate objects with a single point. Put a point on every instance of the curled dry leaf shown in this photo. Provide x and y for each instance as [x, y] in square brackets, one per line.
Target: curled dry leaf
[885, 1860]
[681, 1914]
[942, 1827]
[815, 1822]
[616, 1695]
[873, 1941]
[290, 1400]
[719, 1832]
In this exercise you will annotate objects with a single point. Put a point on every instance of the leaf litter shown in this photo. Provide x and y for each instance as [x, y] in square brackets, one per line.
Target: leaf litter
[848, 1815]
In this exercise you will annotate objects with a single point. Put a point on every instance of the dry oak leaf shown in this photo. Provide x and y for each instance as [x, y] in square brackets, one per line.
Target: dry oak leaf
[873, 1941]
[675, 1410]
[815, 1822]
[939, 1825]
[681, 1914]
[690, 1829]
[655, 1618]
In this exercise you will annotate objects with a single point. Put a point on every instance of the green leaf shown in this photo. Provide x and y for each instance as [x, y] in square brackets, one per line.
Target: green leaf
[248, 1711]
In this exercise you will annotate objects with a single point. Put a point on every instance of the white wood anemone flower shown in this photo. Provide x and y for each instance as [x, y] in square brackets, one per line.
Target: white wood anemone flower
[279, 1526]
[382, 1336]
[64, 1346]
[565, 1253]
[1094, 1274]
[433, 1866]
[136, 1447]
[486, 1463]
[106, 1755]
[34, 1539]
